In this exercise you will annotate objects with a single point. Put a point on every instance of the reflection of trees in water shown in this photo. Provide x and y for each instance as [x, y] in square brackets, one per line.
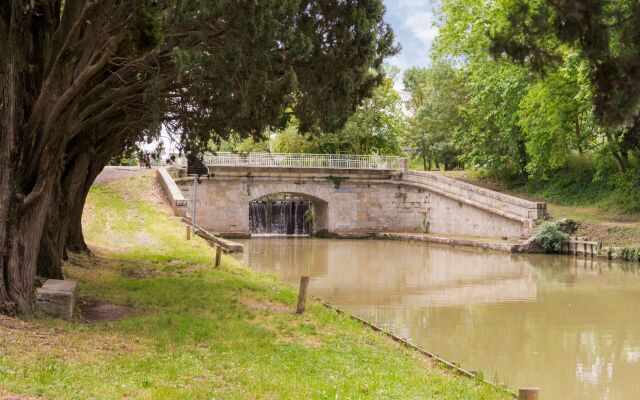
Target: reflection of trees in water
[567, 324]
[574, 344]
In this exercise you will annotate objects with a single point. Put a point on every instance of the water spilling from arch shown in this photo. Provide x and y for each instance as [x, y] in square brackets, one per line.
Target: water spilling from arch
[280, 214]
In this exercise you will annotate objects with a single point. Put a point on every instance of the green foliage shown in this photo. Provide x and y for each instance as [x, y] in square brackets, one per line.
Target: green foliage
[630, 254]
[290, 140]
[556, 117]
[517, 124]
[627, 185]
[550, 237]
[532, 32]
[336, 180]
[568, 226]
[436, 95]
[583, 182]
[377, 123]
[374, 128]
[491, 137]
[148, 29]
[129, 162]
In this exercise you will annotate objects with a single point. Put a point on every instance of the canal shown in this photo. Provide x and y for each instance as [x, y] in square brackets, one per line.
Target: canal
[568, 325]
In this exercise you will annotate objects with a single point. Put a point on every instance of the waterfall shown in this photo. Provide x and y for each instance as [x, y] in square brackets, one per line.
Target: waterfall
[279, 217]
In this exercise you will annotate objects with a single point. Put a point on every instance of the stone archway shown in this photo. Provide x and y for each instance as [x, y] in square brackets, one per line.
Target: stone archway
[287, 213]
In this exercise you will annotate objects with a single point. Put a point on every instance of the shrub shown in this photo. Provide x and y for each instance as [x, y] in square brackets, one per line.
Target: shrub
[550, 237]
[568, 226]
[630, 254]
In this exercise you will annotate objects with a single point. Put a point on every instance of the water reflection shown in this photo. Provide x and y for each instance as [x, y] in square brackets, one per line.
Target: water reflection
[568, 325]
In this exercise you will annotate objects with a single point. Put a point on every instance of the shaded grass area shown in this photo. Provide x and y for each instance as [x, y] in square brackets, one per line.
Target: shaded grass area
[196, 332]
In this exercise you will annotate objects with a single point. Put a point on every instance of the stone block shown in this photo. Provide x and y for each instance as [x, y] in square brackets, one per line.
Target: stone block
[57, 297]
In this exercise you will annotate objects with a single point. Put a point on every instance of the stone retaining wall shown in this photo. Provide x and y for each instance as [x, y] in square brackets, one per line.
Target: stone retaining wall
[360, 201]
[173, 192]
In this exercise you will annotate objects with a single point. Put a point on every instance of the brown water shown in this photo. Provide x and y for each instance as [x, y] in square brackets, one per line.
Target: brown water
[568, 325]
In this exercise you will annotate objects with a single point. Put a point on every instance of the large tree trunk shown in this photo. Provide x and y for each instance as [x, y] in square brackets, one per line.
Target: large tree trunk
[24, 201]
[75, 236]
[65, 232]
[66, 194]
[103, 152]
[26, 185]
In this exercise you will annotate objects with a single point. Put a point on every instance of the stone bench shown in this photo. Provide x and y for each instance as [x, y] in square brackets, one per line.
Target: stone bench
[57, 297]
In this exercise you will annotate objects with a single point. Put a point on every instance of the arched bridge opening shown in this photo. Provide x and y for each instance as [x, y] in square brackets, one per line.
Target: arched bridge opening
[287, 214]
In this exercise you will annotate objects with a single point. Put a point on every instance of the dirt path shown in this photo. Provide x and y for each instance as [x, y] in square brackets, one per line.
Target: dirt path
[112, 173]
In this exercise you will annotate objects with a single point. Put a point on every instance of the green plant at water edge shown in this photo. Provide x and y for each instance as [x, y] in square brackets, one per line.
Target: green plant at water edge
[630, 254]
[308, 218]
[425, 224]
[550, 237]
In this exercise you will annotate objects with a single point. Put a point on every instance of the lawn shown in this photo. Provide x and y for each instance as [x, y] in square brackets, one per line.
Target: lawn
[191, 331]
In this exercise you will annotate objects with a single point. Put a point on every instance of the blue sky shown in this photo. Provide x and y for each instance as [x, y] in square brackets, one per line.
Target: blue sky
[412, 22]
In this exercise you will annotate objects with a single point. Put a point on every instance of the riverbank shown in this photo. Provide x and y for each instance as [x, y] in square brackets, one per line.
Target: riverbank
[597, 222]
[158, 322]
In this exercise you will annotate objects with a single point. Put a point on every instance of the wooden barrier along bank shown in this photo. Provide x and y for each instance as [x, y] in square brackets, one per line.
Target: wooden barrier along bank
[580, 245]
[228, 245]
[448, 364]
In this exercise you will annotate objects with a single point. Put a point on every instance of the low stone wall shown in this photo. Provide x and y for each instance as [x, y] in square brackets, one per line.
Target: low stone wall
[521, 210]
[503, 247]
[173, 192]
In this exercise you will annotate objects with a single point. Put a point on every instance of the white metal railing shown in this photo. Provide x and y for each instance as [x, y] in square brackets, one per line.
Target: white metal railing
[337, 161]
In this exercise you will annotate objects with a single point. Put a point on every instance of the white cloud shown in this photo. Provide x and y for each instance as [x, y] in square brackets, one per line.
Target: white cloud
[420, 24]
[412, 22]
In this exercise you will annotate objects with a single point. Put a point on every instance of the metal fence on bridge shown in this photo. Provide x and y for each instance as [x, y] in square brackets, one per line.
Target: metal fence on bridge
[337, 161]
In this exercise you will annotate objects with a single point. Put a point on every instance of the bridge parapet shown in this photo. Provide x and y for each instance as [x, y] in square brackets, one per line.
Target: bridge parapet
[293, 160]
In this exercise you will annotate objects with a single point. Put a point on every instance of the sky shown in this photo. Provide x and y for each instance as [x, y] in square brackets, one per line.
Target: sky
[412, 22]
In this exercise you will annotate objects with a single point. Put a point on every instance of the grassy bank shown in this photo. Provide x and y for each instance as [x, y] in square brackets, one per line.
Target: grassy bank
[189, 331]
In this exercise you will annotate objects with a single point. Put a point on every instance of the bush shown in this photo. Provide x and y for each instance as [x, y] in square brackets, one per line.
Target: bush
[550, 237]
[568, 226]
[630, 254]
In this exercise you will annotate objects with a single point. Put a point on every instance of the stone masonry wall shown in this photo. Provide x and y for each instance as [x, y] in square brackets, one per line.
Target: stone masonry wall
[362, 203]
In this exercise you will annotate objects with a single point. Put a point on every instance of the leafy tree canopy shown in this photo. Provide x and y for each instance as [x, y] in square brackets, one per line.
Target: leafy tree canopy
[81, 80]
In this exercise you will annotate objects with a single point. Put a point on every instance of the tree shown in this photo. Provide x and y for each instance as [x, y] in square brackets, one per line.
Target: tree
[377, 123]
[80, 79]
[515, 123]
[605, 33]
[374, 128]
[436, 95]
[556, 117]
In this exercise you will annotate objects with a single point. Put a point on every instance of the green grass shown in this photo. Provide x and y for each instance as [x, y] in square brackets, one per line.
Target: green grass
[197, 332]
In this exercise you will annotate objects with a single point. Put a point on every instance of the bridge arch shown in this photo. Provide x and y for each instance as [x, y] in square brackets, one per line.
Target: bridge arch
[290, 213]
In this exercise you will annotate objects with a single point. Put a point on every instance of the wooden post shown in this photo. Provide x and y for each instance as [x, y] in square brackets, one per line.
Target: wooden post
[585, 249]
[218, 255]
[528, 394]
[302, 294]
[188, 232]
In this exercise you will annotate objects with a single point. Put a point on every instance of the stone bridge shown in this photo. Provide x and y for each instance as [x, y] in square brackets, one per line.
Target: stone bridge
[345, 195]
